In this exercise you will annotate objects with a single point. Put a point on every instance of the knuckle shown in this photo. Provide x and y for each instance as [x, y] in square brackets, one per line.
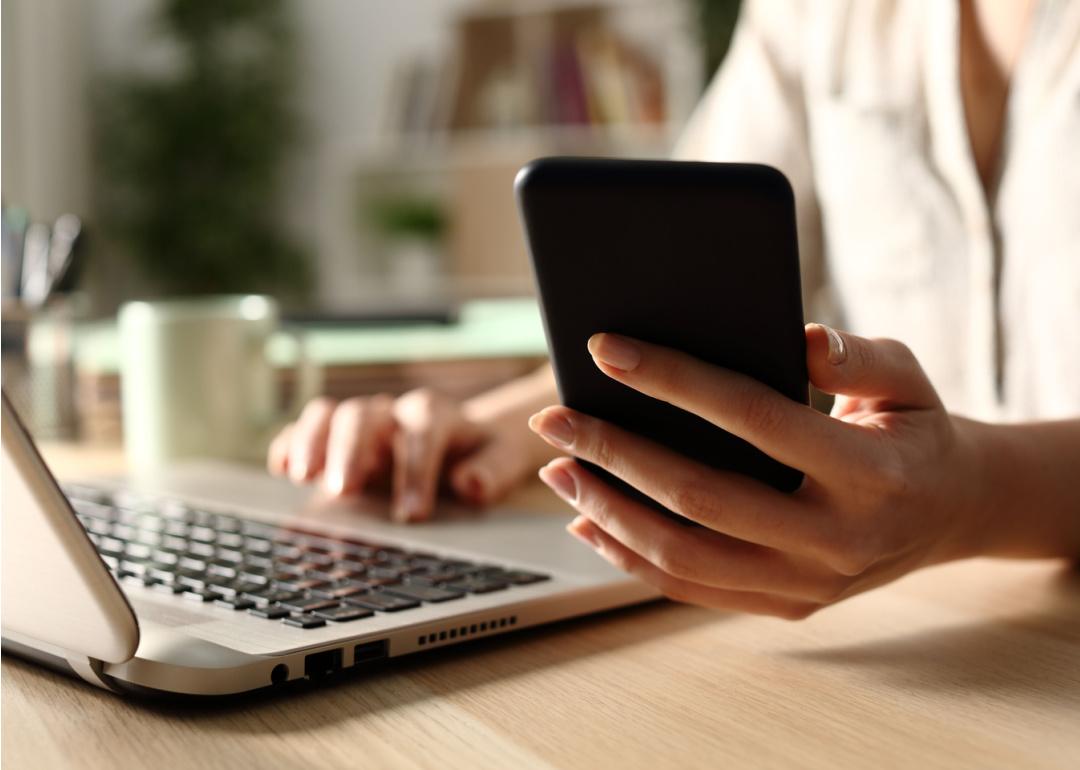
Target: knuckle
[855, 555]
[598, 505]
[895, 349]
[598, 442]
[694, 498]
[761, 413]
[351, 407]
[621, 560]
[672, 557]
[317, 407]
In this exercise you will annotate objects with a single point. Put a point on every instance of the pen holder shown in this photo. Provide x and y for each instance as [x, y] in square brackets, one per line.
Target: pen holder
[38, 364]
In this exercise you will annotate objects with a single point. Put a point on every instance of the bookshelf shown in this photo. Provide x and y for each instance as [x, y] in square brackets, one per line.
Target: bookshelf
[517, 79]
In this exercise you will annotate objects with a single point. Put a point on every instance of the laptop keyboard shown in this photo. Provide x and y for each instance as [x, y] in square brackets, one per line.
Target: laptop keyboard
[288, 575]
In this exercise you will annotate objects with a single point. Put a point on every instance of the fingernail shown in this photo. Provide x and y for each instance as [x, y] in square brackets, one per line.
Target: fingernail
[560, 481]
[582, 529]
[334, 482]
[553, 427]
[837, 348]
[298, 469]
[409, 507]
[615, 351]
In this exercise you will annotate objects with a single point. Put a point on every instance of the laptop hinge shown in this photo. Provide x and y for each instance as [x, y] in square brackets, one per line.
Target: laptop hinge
[90, 669]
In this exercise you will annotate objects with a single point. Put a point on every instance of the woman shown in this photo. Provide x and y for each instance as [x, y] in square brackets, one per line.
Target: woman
[933, 149]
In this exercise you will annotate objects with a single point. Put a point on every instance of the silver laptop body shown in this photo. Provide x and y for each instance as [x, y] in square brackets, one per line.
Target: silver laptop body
[81, 599]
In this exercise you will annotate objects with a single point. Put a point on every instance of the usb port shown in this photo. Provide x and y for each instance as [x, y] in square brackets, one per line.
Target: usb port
[369, 651]
[319, 664]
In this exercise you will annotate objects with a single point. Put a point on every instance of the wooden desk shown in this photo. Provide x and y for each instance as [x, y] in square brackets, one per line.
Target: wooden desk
[968, 665]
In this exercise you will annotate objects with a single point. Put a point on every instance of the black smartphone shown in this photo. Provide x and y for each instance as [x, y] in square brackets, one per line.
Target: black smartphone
[701, 257]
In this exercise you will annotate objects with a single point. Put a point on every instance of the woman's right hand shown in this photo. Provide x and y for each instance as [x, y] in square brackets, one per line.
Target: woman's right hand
[478, 449]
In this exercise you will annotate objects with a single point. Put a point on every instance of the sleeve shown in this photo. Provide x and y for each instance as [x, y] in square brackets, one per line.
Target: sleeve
[754, 111]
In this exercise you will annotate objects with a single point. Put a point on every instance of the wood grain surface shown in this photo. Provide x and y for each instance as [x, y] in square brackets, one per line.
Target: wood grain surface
[974, 665]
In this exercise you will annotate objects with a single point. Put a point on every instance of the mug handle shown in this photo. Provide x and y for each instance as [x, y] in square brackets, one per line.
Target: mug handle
[308, 381]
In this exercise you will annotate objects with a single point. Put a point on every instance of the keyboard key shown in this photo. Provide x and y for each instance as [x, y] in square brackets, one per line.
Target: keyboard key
[170, 588]
[235, 603]
[204, 595]
[269, 597]
[343, 614]
[254, 575]
[97, 526]
[384, 602]
[138, 551]
[262, 561]
[229, 590]
[196, 581]
[176, 528]
[304, 621]
[311, 604]
[201, 550]
[271, 612]
[222, 568]
[521, 577]
[163, 572]
[423, 593]
[84, 494]
[337, 592]
[111, 545]
[224, 523]
[287, 551]
[163, 556]
[123, 531]
[299, 584]
[202, 534]
[134, 566]
[190, 562]
[258, 545]
[230, 554]
[435, 577]
[134, 579]
[477, 584]
[230, 540]
[150, 522]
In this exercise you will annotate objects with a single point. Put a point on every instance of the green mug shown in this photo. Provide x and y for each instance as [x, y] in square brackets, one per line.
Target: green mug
[197, 382]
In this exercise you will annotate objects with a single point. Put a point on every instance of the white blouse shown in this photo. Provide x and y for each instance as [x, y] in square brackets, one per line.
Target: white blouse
[859, 103]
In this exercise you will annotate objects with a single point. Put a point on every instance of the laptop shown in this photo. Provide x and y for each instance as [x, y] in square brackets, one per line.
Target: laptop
[211, 579]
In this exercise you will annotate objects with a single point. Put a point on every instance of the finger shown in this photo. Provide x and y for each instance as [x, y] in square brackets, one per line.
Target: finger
[881, 369]
[681, 590]
[489, 472]
[307, 444]
[788, 431]
[360, 435]
[277, 454]
[424, 422]
[696, 556]
[723, 501]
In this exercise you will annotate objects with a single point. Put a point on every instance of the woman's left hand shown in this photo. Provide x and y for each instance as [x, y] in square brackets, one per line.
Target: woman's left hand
[893, 482]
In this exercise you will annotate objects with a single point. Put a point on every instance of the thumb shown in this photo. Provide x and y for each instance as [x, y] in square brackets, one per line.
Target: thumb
[488, 473]
[841, 363]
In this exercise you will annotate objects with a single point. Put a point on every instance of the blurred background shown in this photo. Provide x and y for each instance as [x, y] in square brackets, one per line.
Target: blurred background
[353, 159]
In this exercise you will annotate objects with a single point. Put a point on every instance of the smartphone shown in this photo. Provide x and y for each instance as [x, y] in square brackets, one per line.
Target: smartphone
[700, 257]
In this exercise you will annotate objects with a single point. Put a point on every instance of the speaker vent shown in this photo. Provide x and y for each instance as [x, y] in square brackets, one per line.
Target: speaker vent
[465, 631]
